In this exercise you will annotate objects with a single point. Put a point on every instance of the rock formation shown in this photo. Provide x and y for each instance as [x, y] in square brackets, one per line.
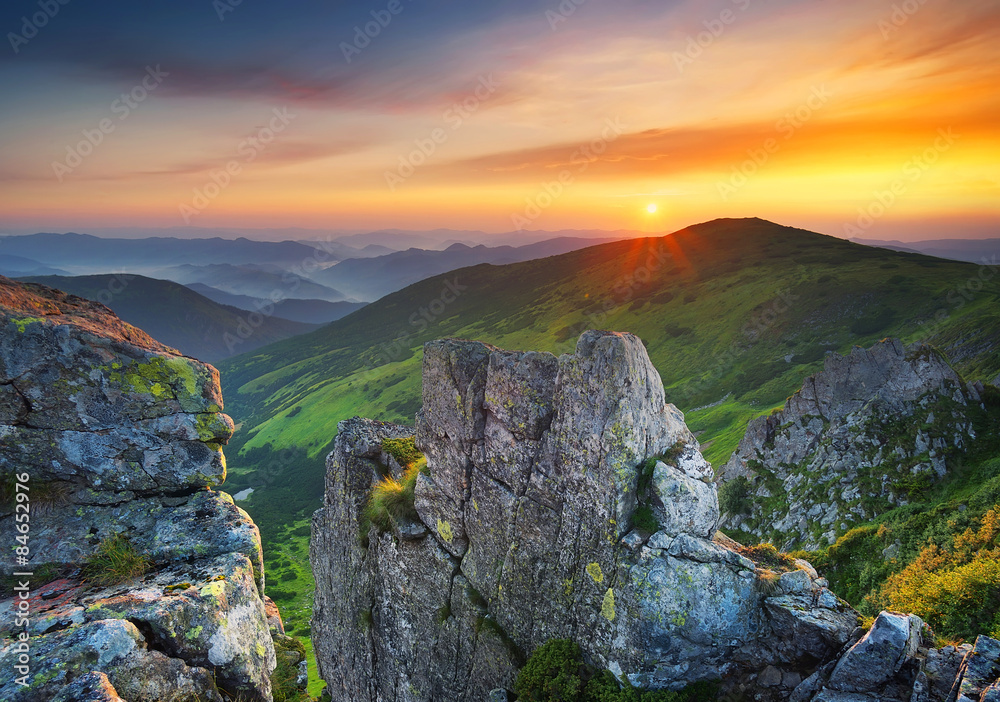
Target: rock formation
[114, 434]
[524, 529]
[866, 433]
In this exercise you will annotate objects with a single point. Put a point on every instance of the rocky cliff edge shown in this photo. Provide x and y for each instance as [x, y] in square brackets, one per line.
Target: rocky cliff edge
[108, 437]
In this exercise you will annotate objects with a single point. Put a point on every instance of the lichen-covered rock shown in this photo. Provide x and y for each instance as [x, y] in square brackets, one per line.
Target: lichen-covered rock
[117, 435]
[112, 646]
[92, 687]
[866, 433]
[534, 481]
[95, 402]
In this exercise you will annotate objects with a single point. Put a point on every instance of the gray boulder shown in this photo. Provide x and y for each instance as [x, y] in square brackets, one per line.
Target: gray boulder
[534, 471]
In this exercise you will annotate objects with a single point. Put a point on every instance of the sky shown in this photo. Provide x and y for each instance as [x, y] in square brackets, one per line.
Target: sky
[853, 118]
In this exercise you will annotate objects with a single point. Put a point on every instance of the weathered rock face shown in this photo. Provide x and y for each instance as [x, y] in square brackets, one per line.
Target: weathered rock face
[118, 434]
[526, 533]
[894, 662]
[861, 436]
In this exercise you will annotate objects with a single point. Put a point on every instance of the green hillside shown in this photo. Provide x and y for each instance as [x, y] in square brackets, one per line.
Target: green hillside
[734, 313]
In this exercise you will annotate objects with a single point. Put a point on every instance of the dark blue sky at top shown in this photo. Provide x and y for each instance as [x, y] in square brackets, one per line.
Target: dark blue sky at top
[264, 49]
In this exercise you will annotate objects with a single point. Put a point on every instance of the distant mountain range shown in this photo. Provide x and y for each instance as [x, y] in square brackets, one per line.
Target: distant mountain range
[983, 251]
[307, 311]
[373, 278]
[86, 254]
[264, 282]
[13, 266]
[178, 316]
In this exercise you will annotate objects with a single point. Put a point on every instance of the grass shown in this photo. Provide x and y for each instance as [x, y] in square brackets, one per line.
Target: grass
[116, 561]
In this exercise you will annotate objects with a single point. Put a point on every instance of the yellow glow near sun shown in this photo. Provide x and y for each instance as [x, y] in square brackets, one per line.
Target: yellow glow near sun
[651, 208]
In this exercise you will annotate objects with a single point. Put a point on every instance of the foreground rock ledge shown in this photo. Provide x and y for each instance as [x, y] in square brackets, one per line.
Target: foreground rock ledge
[119, 434]
[525, 534]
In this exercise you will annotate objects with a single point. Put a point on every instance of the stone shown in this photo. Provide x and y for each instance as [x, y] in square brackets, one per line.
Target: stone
[873, 660]
[689, 505]
[90, 687]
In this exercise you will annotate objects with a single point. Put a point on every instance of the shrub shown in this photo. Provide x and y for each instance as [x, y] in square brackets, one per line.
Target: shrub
[556, 673]
[734, 496]
[116, 561]
[553, 674]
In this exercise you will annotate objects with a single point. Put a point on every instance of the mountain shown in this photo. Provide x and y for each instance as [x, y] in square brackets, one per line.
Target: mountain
[179, 317]
[82, 253]
[982, 251]
[13, 266]
[306, 311]
[372, 278]
[400, 239]
[734, 312]
[258, 281]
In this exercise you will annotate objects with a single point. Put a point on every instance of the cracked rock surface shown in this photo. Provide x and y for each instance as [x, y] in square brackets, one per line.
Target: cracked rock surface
[527, 534]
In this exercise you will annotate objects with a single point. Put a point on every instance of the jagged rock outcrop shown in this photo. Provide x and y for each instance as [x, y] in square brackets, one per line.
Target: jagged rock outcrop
[116, 434]
[866, 433]
[525, 531]
[894, 661]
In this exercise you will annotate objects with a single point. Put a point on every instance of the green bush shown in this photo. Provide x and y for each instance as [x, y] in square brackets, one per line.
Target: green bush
[556, 673]
[116, 561]
[734, 496]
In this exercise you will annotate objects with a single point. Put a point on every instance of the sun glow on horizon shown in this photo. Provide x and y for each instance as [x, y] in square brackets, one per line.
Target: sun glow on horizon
[651, 208]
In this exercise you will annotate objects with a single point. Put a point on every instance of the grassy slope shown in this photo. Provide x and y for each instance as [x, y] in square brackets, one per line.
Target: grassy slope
[173, 313]
[733, 312]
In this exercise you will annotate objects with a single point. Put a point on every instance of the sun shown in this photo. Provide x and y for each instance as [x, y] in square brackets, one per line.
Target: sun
[651, 208]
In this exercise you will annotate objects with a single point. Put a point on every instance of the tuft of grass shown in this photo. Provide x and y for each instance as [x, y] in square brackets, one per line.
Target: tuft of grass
[403, 450]
[42, 496]
[767, 583]
[391, 501]
[768, 556]
[116, 560]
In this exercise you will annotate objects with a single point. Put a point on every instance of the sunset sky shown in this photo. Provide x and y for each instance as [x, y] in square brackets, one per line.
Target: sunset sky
[502, 115]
